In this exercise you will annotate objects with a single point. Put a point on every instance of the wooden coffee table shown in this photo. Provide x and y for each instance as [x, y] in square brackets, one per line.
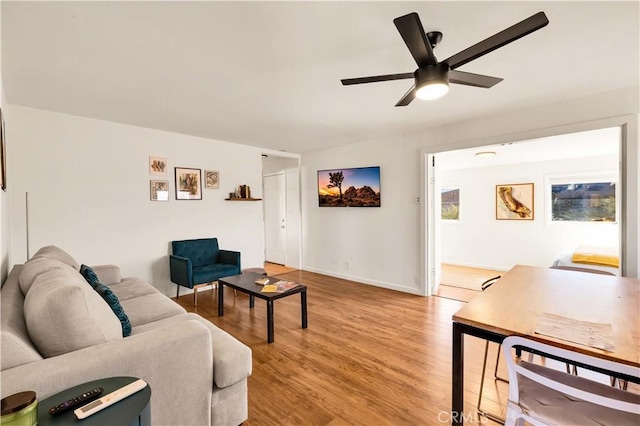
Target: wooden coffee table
[246, 284]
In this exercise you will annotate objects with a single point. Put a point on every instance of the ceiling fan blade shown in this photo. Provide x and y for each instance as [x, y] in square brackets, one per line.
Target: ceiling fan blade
[374, 79]
[498, 40]
[408, 97]
[412, 32]
[471, 79]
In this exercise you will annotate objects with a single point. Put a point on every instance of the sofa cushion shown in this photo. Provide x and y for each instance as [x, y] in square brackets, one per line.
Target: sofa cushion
[35, 267]
[149, 308]
[16, 345]
[132, 287]
[53, 252]
[107, 274]
[64, 314]
[231, 358]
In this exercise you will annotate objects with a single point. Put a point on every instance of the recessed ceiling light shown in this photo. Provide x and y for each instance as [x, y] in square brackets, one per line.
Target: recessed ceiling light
[485, 154]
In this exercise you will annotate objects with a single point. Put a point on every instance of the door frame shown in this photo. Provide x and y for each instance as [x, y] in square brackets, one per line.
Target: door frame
[629, 177]
[296, 205]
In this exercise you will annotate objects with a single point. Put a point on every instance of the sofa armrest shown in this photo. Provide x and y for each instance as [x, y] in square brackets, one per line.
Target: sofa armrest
[174, 360]
[108, 274]
[230, 258]
[181, 270]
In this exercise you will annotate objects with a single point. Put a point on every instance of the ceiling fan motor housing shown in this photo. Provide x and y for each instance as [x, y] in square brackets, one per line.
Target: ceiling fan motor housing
[432, 74]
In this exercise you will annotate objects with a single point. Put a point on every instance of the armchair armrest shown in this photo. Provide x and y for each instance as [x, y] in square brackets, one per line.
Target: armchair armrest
[181, 270]
[108, 274]
[176, 356]
[230, 258]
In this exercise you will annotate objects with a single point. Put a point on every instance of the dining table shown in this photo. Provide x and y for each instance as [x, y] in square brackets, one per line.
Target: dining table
[525, 296]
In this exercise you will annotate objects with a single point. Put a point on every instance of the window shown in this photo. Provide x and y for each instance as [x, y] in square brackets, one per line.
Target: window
[583, 199]
[450, 203]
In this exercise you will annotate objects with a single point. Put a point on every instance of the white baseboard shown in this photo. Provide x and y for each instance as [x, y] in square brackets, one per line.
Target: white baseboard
[360, 280]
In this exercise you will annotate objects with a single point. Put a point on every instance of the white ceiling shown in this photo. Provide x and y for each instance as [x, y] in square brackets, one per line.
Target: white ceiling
[593, 143]
[268, 73]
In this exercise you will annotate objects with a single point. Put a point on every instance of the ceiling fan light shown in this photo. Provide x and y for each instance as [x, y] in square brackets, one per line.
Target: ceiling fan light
[432, 90]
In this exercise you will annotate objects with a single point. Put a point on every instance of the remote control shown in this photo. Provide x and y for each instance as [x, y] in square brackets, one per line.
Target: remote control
[75, 402]
[109, 399]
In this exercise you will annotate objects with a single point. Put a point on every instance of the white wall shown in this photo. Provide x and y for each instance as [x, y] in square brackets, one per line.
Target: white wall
[384, 244]
[380, 243]
[479, 240]
[88, 190]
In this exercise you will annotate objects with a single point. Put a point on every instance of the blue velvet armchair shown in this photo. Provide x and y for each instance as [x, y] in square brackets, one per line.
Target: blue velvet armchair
[195, 263]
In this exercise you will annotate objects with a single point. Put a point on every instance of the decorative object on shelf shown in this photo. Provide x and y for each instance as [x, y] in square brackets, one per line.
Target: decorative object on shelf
[514, 201]
[159, 190]
[242, 193]
[157, 166]
[3, 155]
[188, 184]
[211, 179]
[353, 187]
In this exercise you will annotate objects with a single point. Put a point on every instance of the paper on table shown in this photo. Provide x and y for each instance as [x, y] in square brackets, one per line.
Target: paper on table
[596, 335]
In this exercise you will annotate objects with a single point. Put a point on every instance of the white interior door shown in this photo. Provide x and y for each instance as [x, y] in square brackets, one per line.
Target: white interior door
[275, 217]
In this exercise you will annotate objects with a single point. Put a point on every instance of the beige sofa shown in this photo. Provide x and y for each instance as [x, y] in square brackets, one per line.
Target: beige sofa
[57, 332]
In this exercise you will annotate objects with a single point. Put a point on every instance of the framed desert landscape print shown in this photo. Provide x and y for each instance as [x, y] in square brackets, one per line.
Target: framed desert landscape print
[159, 190]
[211, 179]
[188, 184]
[514, 201]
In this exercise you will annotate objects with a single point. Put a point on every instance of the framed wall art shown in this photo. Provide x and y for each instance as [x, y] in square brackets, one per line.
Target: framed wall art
[514, 201]
[3, 155]
[158, 166]
[349, 187]
[188, 184]
[211, 179]
[159, 190]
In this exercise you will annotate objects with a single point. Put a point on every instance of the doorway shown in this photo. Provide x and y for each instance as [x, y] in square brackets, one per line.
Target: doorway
[478, 238]
[282, 209]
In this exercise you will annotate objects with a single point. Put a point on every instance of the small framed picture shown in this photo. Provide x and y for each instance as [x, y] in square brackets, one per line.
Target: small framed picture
[3, 156]
[211, 179]
[157, 166]
[514, 201]
[188, 184]
[159, 190]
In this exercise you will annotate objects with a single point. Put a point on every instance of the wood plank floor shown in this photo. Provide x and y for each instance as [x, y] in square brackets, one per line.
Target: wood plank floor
[370, 356]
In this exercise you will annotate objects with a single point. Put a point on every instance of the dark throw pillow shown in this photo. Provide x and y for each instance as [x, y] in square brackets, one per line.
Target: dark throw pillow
[89, 274]
[116, 307]
[108, 296]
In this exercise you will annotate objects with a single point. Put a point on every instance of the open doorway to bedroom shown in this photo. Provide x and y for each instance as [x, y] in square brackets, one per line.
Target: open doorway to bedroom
[543, 202]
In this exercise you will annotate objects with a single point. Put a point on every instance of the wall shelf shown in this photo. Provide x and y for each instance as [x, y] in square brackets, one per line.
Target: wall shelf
[243, 199]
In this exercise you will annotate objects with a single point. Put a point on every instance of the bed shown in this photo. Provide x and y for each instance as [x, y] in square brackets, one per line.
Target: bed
[592, 258]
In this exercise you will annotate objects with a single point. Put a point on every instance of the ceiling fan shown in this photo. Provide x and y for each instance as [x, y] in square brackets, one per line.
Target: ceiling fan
[432, 78]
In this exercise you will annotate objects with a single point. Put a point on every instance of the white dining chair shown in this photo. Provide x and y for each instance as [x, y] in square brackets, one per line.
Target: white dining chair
[544, 396]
